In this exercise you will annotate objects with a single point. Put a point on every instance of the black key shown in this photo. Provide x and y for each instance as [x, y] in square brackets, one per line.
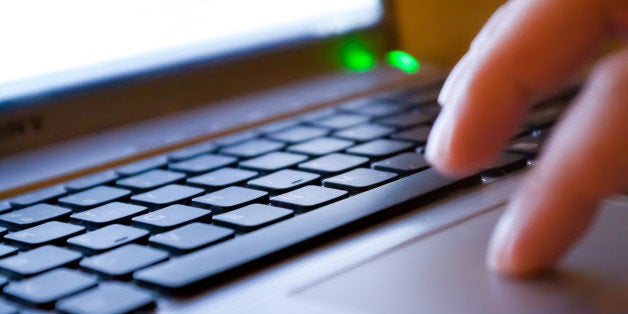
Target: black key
[94, 197]
[284, 180]
[320, 146]
[52, 232]
[334, 163]
[111, 213]
[203, 163]
[150, 180]
[33, 215]
[191, 151]
[121, 262]
[341, 121]
[91, 181]
[197, 267]
[298, 134]
[167, 195]
[142, 165]
[222, 177]
[409, 119]
[106, 238]
[38, 261]
[252, 217]
[529, 146]
[505, 163]
[253, 148]
[236, 138]
[417, 135]
[364, 132]
[405, 163]
[359, 180]
[38, 196]
[317, 115]
[6, 250]
[277, 126]
[190, 237]
[273, 161]
[171, 217]
[47, 288]
[109, 297]
[380, 148]
[230, 198]
[4, 207]
[308, 197]
[7, 308]
[374, 109]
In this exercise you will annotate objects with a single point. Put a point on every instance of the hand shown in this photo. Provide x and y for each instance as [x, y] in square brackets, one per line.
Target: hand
[527, 49]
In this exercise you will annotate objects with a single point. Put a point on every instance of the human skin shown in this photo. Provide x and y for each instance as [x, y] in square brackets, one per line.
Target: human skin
[526, 50]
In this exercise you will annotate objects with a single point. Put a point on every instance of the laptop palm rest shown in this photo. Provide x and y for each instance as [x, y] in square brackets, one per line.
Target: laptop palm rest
[445, 273]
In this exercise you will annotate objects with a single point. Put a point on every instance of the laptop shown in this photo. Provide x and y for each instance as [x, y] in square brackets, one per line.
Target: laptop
[253, 156]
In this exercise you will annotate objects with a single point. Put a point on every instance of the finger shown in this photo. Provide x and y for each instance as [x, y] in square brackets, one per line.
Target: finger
[585, 160]
[537, 48]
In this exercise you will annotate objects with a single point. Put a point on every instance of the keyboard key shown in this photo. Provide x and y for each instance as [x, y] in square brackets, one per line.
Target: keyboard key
[108, 297]
[364, 132]
[6, 250]
[273, 161]
[341, 121]
[417, 135]
[252, 217]
[320, 146]
[201, 266]
[3, 231]
[253, 148]
[334, 163]
[505, 163]
[49, 287]
[151, 179]
[142, 165]
[111, 213]
[106, 238]
[405, 163]
[33, 215]
[230, 198]
[277, 126]
[38, 196]
[380, 148]
[529, 146]
[298, 134]
[374, 109]
[307, 198]
[222, 177]
[545, 114]
[167, 195]
[38, 261]
[190, 237]
[317, 115]
[409, 119]
[359, 180]
[123, 261]
[91, 181]
[52, 232]
[420, 96]
[236, 138]
[203, 163]
[94, 197]
[4, 207]
[284, 180]
[191, 151]
[171, 217]
[7, 308]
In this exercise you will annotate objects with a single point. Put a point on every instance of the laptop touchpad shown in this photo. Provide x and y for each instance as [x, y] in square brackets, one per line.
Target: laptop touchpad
[445, 273]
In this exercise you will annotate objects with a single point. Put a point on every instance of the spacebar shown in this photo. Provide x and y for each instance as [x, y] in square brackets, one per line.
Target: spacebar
[194, 268]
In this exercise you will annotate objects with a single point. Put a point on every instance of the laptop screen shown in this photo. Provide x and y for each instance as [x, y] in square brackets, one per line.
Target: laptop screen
[48, 45]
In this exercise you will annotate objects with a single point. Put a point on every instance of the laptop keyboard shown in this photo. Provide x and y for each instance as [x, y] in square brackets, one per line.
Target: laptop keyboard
[116, 240]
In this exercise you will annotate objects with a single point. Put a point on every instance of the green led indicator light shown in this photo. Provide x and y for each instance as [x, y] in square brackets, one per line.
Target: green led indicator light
[402, 61]
[356, 57]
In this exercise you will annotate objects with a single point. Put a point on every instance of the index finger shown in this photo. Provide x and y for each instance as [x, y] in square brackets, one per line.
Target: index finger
[538, 47]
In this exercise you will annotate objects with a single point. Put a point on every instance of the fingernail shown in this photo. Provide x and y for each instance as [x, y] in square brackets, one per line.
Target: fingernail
[452, 81]
[499, 255]
[437, 149]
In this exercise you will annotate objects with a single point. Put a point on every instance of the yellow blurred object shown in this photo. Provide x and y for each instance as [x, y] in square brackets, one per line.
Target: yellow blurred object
[440, 30]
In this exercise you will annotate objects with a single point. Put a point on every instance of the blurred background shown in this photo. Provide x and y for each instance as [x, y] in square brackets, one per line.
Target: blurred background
[441, 31]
